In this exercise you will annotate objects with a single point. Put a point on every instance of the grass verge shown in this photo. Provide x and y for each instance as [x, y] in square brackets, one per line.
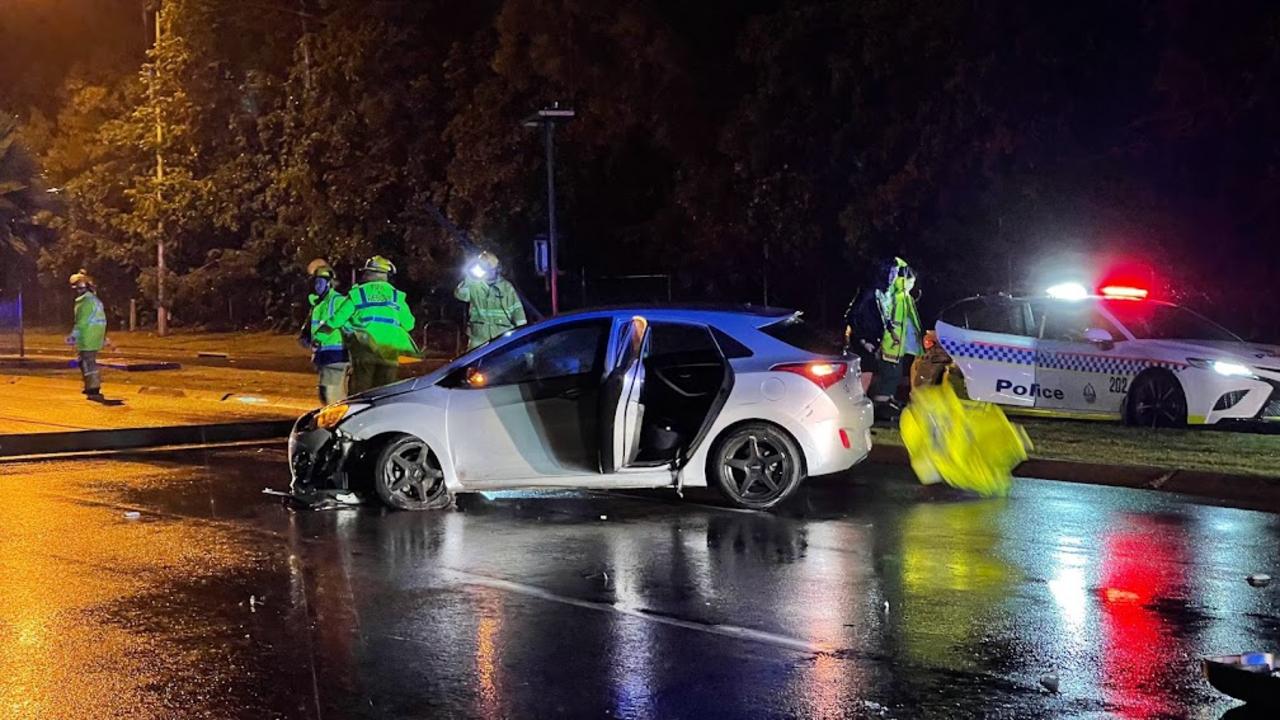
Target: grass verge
[1237, 453]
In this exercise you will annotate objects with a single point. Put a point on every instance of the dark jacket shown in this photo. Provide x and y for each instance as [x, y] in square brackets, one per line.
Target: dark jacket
[862, 320]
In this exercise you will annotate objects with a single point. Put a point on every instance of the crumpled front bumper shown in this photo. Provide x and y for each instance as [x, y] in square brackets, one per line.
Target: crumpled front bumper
[317, 457]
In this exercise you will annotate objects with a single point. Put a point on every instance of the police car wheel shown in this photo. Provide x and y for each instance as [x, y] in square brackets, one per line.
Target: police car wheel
[1156, 400]
[755, 466]
[407, 475]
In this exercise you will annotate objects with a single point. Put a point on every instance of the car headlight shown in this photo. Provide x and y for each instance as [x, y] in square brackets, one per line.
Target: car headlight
[1223, 367]
[329, 417]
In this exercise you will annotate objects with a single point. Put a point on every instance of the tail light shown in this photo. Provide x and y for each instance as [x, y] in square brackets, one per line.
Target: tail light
[820, 373]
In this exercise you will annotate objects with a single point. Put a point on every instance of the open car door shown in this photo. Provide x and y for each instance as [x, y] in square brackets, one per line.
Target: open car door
[621, 411]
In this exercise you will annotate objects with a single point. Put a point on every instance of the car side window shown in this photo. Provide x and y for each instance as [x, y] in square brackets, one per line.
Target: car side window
[562, 352]
[674, 341]
[993, 315]
[1068, 321]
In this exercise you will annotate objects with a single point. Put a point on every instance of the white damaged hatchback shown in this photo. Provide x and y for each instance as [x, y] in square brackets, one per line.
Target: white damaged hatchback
[738, 399]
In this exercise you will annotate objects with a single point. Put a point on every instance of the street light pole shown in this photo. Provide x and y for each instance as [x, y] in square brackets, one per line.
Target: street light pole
[553, 265]
[162, 310]
[547, 119]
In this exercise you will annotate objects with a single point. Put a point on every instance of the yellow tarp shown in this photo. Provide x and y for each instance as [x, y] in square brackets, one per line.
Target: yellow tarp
[969, 445]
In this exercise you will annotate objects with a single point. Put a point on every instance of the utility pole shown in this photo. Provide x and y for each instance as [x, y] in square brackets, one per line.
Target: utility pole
[162, 310]
[547, 119]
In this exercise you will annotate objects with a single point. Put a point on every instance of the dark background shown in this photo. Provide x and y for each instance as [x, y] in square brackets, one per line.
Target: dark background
[725, 144]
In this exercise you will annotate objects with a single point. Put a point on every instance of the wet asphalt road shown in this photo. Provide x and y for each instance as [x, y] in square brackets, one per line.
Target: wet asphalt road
[869, 596]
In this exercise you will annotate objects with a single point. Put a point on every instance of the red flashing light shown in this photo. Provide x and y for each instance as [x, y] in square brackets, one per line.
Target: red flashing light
[821, 373]
[1126, 292]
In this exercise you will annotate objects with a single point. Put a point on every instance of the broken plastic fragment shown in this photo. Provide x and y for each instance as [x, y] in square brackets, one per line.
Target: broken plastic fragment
[1258, 580]
[1050, 682]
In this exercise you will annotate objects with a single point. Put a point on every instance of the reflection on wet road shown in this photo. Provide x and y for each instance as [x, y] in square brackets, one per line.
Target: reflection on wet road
[868, 596]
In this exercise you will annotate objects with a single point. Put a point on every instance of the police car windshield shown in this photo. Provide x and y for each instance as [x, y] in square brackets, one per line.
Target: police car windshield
[1157, 321]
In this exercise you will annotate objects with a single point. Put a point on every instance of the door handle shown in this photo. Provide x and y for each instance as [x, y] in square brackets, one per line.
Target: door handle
[572, 393]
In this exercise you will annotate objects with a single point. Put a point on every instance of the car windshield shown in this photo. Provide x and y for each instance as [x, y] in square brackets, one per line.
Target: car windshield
[798, 334]
[1157, 321]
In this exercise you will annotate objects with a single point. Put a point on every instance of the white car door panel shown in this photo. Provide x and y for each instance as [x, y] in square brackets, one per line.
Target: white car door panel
[621, 410]
[526, 413]
[986, 340]
[1073, 373]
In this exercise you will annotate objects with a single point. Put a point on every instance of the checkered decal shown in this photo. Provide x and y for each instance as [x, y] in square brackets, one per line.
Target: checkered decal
[1079, 362]
[1074, 362]
[988, 351]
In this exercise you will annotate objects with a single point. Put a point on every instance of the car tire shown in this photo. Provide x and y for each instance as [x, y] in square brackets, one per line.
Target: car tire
[756, 466]
[1156, 400]
[407, 475]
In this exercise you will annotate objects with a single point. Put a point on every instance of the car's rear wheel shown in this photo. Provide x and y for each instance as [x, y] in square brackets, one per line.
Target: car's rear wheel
[756, 466]
[1156, 400]
[407, 475]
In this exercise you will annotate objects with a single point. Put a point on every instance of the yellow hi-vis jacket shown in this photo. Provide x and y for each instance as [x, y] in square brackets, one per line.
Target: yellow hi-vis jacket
[494, 308]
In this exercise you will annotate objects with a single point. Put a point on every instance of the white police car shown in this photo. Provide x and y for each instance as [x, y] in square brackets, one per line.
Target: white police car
[1115, 355]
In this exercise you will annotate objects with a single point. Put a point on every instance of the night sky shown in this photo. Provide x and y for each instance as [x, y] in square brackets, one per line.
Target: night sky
[992, 144]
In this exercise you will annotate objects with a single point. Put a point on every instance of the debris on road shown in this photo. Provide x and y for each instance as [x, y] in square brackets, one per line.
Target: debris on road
[276, 493]
[1050, 682]
[132, 515]
[1258, 580]
[873, 706]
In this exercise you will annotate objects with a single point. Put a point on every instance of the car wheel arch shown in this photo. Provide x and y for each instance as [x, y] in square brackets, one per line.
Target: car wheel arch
[724, 432]
[1143, 377]
[359, 463]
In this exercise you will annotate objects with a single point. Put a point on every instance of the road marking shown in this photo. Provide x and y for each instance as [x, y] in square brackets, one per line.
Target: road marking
[732, 631]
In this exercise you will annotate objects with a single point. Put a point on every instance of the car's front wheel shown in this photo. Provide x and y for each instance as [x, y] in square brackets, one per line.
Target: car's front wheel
[407, 475]
[756, 466]
[1155, 400]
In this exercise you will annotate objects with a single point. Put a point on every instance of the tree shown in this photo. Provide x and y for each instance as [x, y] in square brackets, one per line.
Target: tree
[20, 203]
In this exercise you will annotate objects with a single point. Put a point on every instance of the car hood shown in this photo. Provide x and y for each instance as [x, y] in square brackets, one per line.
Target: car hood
[1242, 352]
[386, 391]
[407, 385]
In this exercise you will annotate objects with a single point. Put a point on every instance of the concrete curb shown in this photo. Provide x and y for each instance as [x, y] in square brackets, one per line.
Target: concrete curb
[1244, 491]
[291, 403]
[58, 443]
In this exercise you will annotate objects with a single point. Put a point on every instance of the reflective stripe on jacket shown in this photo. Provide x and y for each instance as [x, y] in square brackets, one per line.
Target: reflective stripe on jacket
[381, 319]
[90, 330]
[493, 309]
[902, 331]
[329, 315]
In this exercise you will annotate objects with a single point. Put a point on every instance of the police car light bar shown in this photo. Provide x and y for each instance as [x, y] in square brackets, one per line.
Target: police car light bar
[1068, 291]
[1124, 291]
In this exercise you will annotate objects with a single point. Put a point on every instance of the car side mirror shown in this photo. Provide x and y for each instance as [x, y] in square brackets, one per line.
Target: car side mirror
[1098, 336]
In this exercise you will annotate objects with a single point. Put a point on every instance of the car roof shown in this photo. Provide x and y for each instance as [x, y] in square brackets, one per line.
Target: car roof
[756, 315]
